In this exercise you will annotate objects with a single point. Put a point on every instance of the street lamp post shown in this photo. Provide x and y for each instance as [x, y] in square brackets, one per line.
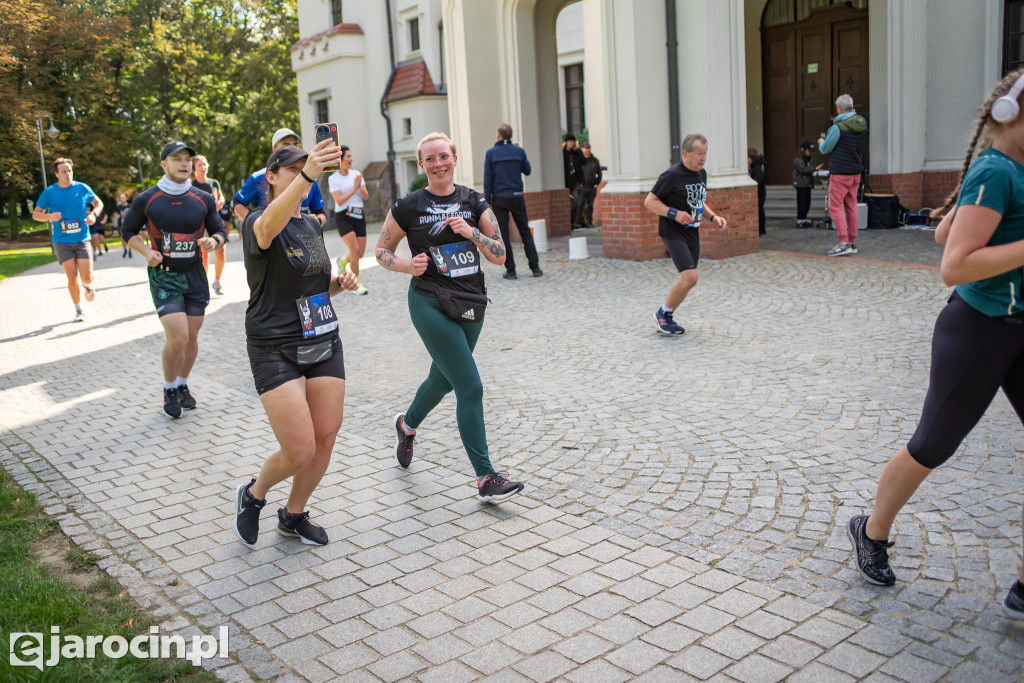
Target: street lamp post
[51, 132]
[140, 155]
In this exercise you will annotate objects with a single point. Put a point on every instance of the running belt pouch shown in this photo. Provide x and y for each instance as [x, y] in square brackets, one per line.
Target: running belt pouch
[462, 306]
[305, 355]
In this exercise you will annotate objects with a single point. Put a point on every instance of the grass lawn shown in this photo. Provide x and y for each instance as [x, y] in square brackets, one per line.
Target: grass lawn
[14, 261]
[45, 581]
[28, 229]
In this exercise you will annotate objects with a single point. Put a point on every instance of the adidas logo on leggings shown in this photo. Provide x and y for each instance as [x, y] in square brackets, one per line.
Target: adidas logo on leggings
[469, 315]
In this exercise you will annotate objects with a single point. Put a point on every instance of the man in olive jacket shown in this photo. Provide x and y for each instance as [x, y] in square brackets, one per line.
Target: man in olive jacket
[844, 142]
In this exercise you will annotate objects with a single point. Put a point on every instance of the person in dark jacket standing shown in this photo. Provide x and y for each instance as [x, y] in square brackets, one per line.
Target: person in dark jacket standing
[505, 164]
[590, 178]
[803, 181]
[844, 141]
[572, 163]
[755, 160]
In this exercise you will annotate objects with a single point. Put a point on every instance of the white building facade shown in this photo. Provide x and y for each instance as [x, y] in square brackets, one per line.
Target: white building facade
[760, 73]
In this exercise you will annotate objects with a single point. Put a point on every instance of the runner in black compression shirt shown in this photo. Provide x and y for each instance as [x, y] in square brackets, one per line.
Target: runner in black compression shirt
[177, 219]
[293, 344]
[441, 223]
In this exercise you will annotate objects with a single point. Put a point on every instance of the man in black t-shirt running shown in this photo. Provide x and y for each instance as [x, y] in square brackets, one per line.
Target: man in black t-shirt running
[678, 198]
[180, 220]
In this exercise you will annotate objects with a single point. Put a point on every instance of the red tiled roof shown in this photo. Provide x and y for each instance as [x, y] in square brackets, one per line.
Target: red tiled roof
[411, 79]
[334, 30]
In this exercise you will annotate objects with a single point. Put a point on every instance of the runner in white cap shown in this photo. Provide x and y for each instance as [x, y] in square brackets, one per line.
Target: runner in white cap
[253, 192]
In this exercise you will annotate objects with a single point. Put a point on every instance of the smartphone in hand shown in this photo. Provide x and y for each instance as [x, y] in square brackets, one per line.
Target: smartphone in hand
[328, 131]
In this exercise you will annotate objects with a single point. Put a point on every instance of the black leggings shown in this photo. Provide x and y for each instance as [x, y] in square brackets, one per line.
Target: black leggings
[973, 355]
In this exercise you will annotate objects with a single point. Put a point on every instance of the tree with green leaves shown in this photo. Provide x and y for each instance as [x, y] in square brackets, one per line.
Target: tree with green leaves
[124, 75]
[71, 74]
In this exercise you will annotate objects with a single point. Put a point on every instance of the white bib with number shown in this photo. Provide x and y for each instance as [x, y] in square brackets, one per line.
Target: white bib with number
[456, 260]
[180, 245]
[316, 315]
[70, 227]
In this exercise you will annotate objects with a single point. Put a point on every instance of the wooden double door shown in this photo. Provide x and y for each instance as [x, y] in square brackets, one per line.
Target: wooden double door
[806, 66]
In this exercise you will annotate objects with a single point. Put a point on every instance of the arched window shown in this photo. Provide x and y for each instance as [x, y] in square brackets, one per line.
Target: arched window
[779, 12]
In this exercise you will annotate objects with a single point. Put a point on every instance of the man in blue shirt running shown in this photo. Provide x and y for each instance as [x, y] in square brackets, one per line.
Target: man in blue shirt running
[253, 192]
[70, 207]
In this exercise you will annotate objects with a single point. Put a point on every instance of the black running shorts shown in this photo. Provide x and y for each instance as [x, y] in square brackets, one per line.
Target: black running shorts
[684, 248]
[272, 367]
[187, 292]
[346, 224]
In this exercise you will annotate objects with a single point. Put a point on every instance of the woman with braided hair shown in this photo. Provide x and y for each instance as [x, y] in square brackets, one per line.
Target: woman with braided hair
[978, 342]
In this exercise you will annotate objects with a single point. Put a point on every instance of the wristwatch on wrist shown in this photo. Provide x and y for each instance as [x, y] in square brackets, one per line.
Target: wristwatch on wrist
[476, 232]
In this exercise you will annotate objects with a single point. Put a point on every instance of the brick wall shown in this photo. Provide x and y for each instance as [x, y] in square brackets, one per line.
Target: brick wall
[916, 190]
[739, 206]
[906, 185]
[552, 206]
[935, 187]
[630, 231]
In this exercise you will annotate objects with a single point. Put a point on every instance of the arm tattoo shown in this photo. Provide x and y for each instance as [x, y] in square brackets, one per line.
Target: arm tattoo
[493, 245]
[385, 233]
[385, 257]
[494, 223]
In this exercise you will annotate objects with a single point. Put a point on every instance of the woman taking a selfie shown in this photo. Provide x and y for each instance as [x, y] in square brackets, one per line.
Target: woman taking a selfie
[292, 339]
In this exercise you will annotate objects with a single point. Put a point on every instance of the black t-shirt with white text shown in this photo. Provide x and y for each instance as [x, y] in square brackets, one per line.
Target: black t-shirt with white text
[287, 281]
[454, 260]
[682, 189]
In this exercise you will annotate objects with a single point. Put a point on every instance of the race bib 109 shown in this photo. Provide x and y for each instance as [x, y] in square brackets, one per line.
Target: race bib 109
[456, 260]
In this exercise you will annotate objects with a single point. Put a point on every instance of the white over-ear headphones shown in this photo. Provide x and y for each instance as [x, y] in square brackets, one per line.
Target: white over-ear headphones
[1006, 108]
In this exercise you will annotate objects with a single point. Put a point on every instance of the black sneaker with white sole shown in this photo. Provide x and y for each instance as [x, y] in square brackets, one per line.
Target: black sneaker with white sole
[172, 402]
[871, 558]
[188, 402]
[247, 514]
[666, 325]
[299, 526]
[403, 441]
[495, 487]
[1013, 603]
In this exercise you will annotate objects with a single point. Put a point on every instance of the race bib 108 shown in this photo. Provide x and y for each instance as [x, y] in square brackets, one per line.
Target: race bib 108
[316, 315]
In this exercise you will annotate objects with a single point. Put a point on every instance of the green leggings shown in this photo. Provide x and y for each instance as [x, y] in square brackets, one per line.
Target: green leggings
[450, 345]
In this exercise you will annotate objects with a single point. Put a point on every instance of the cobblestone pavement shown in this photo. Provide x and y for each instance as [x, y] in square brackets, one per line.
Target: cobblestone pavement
[905, 245]
[686, 496]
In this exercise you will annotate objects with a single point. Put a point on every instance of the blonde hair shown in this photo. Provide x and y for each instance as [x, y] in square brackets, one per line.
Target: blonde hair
[430, 137]
[985, 128]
